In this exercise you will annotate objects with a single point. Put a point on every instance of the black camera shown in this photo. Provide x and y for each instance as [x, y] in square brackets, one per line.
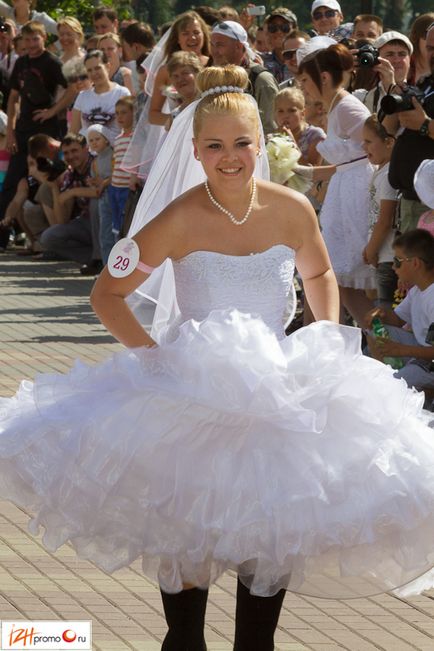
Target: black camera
[53, 169]
[391, 103]
[367, 56]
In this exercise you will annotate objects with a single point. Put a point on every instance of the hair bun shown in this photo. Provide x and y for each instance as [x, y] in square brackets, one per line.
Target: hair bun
[222, 76]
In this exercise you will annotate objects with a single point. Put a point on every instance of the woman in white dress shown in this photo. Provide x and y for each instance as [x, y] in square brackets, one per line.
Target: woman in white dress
[296, 462]
[344, 214]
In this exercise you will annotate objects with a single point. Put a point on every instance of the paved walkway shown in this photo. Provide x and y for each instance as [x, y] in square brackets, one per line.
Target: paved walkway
[46, 322]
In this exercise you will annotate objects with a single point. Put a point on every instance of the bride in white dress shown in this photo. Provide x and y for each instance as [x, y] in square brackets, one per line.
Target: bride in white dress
[294, 461]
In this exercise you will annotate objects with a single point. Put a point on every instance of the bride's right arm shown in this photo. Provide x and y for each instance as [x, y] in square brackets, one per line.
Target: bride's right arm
[156, 242]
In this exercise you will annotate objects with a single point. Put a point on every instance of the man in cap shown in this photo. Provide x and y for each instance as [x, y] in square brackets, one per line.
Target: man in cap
[414, 144]
[278, 25]
[230, 45]
[326, 16]
[394, 50]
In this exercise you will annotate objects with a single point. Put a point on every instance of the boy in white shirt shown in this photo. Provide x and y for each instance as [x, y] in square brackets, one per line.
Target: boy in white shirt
[414, 265]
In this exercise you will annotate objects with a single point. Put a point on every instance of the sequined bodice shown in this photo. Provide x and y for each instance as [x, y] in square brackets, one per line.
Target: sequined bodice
[257, 284]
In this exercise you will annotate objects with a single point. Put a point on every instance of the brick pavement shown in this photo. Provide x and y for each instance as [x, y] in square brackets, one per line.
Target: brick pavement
[45, 323]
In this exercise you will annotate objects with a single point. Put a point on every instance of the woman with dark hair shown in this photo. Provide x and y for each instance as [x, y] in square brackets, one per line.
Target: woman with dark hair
[190, 34]
[97, 105]
[344, 215]
[419, 64]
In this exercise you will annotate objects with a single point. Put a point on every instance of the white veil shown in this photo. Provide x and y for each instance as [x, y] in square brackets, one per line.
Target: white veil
[147, 138]
[175, 170]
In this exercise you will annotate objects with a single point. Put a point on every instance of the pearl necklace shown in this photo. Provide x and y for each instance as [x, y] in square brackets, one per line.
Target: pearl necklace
[231, 216]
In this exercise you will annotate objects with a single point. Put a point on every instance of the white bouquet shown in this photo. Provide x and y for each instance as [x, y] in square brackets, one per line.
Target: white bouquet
[283, 157]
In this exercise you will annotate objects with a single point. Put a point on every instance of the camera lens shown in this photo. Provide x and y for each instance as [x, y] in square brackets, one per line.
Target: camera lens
[367, 59]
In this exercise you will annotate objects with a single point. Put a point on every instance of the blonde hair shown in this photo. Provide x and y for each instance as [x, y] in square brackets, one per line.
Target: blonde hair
[181, 58]
[294, 95]
[114, 37]
[224, 103]
[73, 24]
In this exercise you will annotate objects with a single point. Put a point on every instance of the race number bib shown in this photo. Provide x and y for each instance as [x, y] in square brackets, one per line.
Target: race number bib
[123, 258]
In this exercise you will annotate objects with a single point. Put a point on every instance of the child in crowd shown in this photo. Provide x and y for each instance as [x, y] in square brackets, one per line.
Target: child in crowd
[19, 45]
[414, 264]
[289, 114]
[98, 138]
[383, 202]
[119, 187]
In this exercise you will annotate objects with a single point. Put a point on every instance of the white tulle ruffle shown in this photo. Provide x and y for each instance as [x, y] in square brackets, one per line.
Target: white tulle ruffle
[299, 464]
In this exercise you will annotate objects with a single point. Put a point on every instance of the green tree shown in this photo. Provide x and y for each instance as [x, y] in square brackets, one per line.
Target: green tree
[82, 9]
[156, 12]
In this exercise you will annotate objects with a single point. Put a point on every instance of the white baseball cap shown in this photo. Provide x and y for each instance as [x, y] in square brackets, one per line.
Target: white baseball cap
[393, 36]
[330, 4]
[231, 29]
[100, 128]
[234, 30]
[424, 182]
[315, 44]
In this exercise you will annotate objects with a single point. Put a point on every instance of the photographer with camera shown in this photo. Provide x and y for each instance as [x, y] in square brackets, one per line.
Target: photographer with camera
[389, 57]
[414, 113]
[27, 208]
[73, 235]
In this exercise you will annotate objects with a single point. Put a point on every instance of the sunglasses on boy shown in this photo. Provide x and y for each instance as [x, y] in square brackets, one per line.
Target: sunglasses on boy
[285, 28]
[328, 13]
[397, 262]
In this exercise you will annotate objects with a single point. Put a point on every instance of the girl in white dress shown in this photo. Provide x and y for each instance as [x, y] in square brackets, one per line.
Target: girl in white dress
[344, 214]
[296, 462]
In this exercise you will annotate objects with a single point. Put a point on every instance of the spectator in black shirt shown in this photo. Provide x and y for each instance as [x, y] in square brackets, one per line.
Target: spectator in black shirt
[32, 106]
[414, 145]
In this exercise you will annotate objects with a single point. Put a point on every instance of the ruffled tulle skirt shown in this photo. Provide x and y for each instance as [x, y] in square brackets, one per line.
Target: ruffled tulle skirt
[298, 463]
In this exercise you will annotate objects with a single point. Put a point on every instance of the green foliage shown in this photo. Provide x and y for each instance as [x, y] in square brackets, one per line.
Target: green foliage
[82, 9]
[397, 14]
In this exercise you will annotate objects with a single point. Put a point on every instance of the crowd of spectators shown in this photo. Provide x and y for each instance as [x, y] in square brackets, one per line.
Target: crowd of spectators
[83, 119]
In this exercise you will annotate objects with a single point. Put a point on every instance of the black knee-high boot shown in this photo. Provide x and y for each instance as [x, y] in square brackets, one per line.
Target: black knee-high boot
[185, 616]
[256, 620]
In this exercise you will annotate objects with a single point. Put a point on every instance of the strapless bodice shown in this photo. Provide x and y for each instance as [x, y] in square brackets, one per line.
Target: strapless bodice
[257, 284]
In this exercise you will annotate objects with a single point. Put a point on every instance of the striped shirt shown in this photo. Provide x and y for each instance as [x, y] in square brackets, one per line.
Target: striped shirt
[120, 178]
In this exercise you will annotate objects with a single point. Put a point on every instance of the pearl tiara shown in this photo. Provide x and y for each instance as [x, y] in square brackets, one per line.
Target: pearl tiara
[221, 89]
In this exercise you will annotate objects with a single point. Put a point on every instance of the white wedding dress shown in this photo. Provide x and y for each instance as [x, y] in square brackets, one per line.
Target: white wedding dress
[295, 461]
